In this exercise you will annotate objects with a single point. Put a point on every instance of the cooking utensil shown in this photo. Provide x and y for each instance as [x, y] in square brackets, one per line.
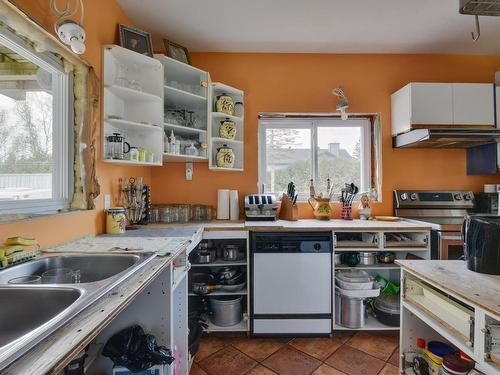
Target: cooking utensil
[387, 309]
[226, 310]
[353, 279]
[338, 259]
[233, 288]
[387, 257]
[351, 259]
[204, 257]
[367, 258]
[236, 279]
[231, 253]
[204, 288]
[226, 273]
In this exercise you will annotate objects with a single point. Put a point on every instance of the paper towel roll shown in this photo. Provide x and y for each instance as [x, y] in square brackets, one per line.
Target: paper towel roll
[234, 205]
[222, 204]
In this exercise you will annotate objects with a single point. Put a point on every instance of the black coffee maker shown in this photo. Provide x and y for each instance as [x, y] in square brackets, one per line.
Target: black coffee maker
[482, 243]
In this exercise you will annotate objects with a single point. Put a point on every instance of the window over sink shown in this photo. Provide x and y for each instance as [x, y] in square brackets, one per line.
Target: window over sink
[301, 149]
[35, 123]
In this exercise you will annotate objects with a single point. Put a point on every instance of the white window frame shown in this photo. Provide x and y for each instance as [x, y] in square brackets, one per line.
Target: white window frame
[62, 134]
[313, 125]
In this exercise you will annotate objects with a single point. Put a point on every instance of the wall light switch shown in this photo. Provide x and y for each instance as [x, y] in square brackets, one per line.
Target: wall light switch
[189, 171]
[107, 201]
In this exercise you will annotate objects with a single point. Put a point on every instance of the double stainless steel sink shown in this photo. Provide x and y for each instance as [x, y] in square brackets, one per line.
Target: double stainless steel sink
[31, 312]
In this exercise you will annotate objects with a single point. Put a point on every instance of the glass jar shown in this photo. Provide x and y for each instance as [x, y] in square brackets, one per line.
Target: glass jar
[154, 215]
[134, 154]
[198, 212]
[184, 213]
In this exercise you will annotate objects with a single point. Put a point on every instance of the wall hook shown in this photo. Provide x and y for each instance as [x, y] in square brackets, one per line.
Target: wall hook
[477, 34]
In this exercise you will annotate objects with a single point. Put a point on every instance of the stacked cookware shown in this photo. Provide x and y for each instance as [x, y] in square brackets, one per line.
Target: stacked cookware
[223, 310]
[352, 288]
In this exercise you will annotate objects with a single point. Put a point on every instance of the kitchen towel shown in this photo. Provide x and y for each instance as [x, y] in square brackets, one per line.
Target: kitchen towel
[222, 204]
[234, 205]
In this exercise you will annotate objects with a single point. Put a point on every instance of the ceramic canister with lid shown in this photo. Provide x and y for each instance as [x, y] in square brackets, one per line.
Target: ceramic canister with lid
[116, 222]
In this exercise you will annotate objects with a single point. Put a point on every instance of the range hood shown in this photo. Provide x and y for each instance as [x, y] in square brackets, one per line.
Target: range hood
[480, 7]
[446, 138]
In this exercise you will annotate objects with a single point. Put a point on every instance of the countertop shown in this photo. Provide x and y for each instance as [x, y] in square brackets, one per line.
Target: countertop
[53, 352]
[301, 225]
[453, 276]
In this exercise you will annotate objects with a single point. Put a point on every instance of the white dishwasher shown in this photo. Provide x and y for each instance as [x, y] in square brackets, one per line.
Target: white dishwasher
[291, 283]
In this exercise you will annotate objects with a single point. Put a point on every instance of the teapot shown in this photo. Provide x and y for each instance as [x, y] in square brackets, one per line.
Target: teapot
[321, 207]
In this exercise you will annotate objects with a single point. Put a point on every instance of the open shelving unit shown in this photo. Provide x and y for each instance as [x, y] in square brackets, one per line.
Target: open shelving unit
[217, 240]
[133, 97]
[357, 241]
[215, 119]
[185, 89]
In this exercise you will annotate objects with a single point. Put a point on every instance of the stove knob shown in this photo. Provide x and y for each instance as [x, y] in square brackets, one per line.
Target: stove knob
[467, 197]
[404, 196]
[458, 197]
[413, 196]
[317, 246]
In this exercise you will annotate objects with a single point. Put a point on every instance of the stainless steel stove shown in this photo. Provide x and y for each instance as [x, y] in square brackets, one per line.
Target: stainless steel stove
[444, 210]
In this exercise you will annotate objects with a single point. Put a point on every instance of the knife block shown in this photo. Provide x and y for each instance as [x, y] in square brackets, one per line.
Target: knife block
[288, 211]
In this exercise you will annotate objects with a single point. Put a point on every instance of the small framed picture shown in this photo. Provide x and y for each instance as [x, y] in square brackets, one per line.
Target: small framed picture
[177, 52]
[136, 40]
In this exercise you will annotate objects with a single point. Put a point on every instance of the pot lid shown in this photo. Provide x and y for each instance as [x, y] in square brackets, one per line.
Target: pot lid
[354, 276]
[389, 303]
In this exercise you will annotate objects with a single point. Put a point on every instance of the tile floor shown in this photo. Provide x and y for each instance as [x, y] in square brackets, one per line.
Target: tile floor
[360, 353]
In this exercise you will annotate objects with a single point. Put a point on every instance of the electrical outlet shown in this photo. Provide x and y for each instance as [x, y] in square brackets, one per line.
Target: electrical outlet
[107, 201]
[189, 171]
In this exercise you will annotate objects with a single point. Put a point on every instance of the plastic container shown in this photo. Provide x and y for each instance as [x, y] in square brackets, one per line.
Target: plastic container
[454, 365]
[353, 279]
[226, 311]
[434, 353]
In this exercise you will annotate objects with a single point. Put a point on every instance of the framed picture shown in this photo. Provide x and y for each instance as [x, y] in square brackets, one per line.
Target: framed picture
[177, 52]
[136, 40]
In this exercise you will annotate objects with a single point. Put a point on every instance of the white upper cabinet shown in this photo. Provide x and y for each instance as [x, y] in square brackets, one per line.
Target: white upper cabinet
[473, 104]
[423, 105]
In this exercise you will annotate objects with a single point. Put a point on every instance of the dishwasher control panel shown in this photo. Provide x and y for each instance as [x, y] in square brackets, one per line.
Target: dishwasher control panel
[296, 242]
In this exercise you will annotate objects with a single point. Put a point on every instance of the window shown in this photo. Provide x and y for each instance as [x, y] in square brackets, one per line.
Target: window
[298, 150]
[35, 150]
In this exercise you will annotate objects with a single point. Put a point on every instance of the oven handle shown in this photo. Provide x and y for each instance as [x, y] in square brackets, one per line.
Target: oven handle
[452, 238]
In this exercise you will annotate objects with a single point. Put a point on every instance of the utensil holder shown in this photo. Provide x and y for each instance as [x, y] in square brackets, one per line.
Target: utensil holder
[288, 210]
[346, 212]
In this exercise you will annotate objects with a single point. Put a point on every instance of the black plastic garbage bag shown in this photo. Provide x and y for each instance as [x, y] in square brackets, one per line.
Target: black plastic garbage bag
[135, 350]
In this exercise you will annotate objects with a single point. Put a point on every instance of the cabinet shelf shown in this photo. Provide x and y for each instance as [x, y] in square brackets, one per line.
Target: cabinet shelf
[226, 169]
[126, 93]
[372, 324]
[227, 141]
[132, 162]
[221, 263]
[242, 292]
[180, 158]
[183, 130]
[240, 327]
[131, 125]
[390, 266]
[175, 98]
[225, 116]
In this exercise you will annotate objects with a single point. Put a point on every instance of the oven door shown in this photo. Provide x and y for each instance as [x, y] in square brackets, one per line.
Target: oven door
[451, 245]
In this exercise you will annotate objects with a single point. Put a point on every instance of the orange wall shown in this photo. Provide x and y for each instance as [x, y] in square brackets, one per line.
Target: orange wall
[303, 83]
[101, 19]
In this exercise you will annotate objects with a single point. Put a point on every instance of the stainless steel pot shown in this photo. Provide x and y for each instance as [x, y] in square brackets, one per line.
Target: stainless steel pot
[338, 259]
[226, 311]
[204, 257]
[350, 312]
[367, 258]
[230, 253]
